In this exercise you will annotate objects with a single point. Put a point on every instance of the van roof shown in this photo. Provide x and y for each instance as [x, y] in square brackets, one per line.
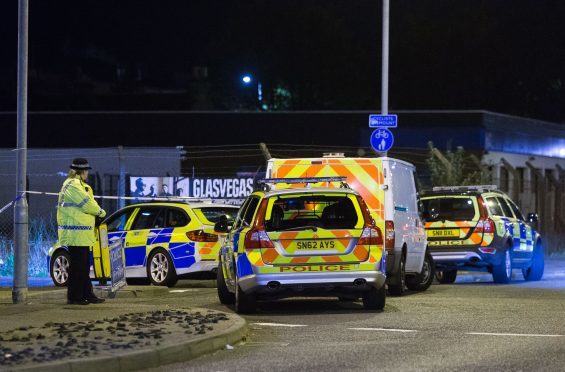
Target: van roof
[383, 158]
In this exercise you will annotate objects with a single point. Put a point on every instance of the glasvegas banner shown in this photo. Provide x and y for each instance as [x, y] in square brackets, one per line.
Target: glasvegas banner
[214, 188]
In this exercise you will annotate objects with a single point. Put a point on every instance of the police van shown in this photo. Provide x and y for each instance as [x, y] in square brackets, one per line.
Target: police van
[388, 187]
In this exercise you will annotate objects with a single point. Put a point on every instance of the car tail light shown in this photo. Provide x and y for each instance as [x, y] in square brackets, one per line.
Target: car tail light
[201, 236]
[389, 235]
[371, 236]
[485, 226]
[255, 239]
[488, 250]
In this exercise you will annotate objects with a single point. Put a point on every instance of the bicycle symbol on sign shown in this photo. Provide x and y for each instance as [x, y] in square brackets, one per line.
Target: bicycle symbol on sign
[381, 134]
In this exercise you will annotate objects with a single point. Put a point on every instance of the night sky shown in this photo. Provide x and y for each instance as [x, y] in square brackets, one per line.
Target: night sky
[500, 55]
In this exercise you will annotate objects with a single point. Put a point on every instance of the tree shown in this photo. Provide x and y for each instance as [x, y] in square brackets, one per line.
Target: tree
[456, 168]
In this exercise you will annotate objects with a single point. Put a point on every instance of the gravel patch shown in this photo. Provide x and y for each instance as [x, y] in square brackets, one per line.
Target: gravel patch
[110, 336]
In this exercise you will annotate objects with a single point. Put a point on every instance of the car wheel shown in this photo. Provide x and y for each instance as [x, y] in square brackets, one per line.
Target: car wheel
[160, 269]
[60, 268]
[424, 279]
[398, 281]
[375, 299]
[446, 276]
[244, 303]
[502, 273]
[535, 271]
[225, 296]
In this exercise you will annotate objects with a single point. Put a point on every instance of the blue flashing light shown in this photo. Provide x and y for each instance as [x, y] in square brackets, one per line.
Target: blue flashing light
[246, 79]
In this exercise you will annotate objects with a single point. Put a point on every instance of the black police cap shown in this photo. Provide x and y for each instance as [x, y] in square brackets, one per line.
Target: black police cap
[80, 164]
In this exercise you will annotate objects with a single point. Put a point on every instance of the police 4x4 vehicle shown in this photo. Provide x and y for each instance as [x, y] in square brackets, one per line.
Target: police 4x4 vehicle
[480, 228]
[161, 241]
[308, 241]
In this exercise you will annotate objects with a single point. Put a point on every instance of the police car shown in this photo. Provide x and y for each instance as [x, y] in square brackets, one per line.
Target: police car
[161, 241]
[480, 228]
[309, 241]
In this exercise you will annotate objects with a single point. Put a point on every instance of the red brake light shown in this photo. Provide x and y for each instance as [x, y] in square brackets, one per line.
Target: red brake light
[485, 226]
[255, 239]
[371, 236]
[201, 236]
[389, 235]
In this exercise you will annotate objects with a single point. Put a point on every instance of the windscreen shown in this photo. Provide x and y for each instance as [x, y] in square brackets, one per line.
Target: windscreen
[299, 212]
[211, 215]
[451, 209]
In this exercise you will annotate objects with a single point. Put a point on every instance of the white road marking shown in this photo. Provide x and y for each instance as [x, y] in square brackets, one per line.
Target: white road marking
[279, 325]
[383, 329]
[511, 334]
[183, 290]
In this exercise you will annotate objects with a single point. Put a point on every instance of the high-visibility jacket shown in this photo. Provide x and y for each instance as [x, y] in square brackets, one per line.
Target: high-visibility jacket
[76, 212]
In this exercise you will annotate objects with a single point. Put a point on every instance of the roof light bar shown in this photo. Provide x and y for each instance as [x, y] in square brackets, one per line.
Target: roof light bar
[480, 188]
[303, 180]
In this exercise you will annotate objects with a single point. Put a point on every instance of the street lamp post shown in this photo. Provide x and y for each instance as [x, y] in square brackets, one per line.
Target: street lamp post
[384, 65]
[248, 80]
[21, 251]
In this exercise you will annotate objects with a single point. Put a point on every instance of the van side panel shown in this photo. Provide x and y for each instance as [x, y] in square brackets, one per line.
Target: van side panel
[402, 208]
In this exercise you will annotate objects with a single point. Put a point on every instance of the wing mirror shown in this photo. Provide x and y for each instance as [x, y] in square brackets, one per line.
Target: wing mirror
[223, 225]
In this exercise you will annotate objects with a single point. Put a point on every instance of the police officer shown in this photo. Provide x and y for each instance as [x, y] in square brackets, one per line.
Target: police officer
[76, 214]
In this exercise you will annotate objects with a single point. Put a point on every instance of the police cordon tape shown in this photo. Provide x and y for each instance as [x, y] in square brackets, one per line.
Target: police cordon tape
[137, 198]
[12, 202]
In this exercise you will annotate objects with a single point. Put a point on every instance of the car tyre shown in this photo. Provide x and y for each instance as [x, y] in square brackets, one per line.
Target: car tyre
[502, 273]
[160, 269]
[398, 282]
[244, 303]
[422, 281]
[375, 299]
[535, 271]
[446, 276]
[60, 268]
[225, 296]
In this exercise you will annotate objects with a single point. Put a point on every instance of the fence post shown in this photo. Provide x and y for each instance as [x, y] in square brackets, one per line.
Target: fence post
[540, 195]
[122, 178]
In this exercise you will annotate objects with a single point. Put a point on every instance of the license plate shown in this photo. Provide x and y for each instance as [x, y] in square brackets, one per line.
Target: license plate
[315, 244]
[447, 233]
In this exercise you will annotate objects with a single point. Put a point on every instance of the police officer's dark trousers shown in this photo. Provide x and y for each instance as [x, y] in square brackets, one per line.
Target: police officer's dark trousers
[79, 285]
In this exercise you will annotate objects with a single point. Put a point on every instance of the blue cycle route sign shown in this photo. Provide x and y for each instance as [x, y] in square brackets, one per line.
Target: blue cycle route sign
[383, 121]
[382, 139]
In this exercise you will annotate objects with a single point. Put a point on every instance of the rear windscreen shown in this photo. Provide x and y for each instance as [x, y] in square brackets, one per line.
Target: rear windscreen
[296, 213]
[452, 209]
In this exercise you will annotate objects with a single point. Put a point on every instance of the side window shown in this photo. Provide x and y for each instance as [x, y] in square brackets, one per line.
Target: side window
[176, 218]
[117, 222]
[515, 209]
[248, 216]
[494, 207]
[505, 208]
[241, 213]
[149, 218]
